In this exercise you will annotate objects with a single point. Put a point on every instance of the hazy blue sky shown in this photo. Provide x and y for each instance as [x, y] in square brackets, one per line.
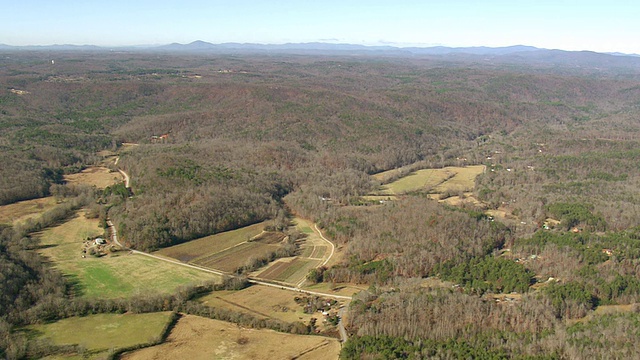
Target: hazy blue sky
[612, 25]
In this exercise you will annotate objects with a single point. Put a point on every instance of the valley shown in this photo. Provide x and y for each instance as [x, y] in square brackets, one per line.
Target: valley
[317, 207]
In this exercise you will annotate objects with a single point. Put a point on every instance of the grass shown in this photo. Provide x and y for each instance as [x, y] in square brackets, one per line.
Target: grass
[100, 177]
[23, 210]
[464, 179]
[343, 289]
[199, 338]
[115, 275]
[419, 180]
[211, 244]
[99, 333]
[448, 179]
[261, 301]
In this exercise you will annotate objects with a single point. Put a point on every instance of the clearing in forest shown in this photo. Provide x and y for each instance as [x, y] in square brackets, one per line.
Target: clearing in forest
[445, 180]
[200, 338]
[100, 177]
[102, 332]
[114, 275]
[23, 210]
[260, 301]
[213, 244]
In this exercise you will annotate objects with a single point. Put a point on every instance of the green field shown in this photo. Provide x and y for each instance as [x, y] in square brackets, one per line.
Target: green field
[116, 275]
[99, 333]
[211, 244]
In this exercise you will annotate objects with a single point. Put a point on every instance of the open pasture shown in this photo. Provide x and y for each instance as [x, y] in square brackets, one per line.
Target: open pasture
[448, 179]
[421, 180]
[200, 338]
[212, 244]
[99, 333]
[260, 301]
[115, 275]
[23, 210]
[464, 179]
[100, 177]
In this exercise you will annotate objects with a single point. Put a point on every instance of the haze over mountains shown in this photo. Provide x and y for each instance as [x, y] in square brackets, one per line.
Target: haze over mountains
[517, 54]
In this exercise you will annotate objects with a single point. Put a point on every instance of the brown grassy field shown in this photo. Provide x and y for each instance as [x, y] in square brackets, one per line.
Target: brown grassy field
[199, 338]
[260, 301]
[211, 244]
[343, 289]
[23, 210]
[100, 177]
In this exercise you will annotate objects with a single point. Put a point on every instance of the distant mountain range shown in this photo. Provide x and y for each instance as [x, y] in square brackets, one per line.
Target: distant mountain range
[510, 54]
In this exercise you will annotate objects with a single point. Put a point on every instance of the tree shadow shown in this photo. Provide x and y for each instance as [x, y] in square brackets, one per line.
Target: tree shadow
[74, 287]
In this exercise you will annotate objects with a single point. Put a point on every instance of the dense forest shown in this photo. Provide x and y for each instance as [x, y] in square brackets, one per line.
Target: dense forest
[256, 137]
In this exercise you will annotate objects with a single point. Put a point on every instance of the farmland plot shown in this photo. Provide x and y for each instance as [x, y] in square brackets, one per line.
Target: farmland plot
[99, 333]
[199, 338]
[116, 274]
[213, 244]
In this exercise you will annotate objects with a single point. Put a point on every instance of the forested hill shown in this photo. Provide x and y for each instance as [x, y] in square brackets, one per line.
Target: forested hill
[268, 125]
[227, 140]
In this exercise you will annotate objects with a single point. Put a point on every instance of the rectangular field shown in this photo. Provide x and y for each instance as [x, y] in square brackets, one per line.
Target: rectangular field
[289, 272]
[200, 338]
[420, 180]
[23, 210]
[99, 333]
[448, 179]
[100, 177]
[115, 275]
[231, 259]
[464, 179]
[260, 301]
[211, 244]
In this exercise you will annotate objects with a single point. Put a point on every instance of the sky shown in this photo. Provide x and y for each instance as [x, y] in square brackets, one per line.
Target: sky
[604, 26]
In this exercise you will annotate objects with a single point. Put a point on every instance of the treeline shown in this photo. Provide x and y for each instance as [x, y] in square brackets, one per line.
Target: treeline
[420, 323]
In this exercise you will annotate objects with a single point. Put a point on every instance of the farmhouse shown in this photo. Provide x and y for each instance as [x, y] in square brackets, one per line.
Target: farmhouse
[100, 241]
